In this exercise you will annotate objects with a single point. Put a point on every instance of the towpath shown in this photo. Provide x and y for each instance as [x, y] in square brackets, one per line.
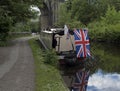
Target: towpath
[17, 66]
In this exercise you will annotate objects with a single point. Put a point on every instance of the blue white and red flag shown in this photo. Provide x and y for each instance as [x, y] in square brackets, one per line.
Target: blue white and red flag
[81, 81]
[82, 43]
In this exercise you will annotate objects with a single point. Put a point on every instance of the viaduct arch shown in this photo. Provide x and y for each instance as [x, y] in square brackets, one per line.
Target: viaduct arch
[49, 13]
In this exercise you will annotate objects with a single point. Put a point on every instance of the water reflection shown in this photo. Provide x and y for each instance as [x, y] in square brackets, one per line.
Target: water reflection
[104, 74]
[81, 80]
[101, 81]
[75, 78]
[108, 55]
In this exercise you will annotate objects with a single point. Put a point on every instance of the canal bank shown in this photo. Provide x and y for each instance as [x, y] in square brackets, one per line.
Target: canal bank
[47, 77]
[106, 70]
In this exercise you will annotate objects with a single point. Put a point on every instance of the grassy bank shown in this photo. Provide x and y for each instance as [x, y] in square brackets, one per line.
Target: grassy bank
[47, 76]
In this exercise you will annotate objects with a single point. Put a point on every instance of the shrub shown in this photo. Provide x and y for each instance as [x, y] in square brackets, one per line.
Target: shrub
[50, 57]
[108, 28]
[5, 25]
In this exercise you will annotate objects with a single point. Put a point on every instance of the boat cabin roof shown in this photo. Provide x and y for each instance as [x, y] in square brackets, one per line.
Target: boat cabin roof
[59, 31]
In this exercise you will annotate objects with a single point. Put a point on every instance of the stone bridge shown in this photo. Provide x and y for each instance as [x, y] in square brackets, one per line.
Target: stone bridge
[49, 13]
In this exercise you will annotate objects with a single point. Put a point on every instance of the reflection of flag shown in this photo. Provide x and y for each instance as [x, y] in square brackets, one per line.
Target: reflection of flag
[66, 31]
[81, 81]
[82, 43]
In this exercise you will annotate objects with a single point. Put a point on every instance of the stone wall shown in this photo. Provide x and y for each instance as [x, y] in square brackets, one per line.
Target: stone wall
[49, 13]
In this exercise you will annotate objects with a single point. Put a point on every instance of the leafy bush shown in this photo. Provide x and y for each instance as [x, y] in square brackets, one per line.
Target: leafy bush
[50, 57]
[76, 24]
[2, 43]
[108, 28]
[111, 16]
[5, 25]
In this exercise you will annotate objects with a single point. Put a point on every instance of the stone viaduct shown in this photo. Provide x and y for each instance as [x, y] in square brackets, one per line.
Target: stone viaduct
[49, 13]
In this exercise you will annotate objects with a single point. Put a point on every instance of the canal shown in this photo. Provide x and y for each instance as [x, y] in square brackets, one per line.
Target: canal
[102, 72]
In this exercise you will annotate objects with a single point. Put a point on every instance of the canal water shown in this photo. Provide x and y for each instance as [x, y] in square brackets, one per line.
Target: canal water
[102, 72]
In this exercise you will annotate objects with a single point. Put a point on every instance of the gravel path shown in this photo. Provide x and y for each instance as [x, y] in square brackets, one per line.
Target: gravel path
[17, 67]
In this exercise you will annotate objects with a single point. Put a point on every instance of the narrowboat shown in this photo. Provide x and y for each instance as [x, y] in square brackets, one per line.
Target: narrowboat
[64, 46]
[54, 38]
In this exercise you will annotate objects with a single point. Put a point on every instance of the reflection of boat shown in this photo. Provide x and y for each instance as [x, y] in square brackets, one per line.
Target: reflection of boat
[76, 79]
[81, 80]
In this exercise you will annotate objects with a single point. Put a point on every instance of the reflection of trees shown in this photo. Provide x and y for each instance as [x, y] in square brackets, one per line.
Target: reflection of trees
[109, 57]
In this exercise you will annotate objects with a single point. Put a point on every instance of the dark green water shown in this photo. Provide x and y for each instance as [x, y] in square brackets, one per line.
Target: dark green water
[108, 56]
[105, 74]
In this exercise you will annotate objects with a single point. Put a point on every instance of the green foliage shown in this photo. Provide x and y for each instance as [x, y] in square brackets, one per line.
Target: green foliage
[80, 11]
[51, 57]
[34, 26]
[111, 16]
[31, 26]
[5, 25]
[38, 3]
[108, 28]
[108, 57]
[76, 24]
[115, 3]
[3, 43]
[21, 27]
[108, 33]
[64, 16]
[13, 12]
[19, 10]
[83, 10]
[68, 4]
[102, 17]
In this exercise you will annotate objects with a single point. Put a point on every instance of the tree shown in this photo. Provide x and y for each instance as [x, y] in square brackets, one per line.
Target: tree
[111, 16]
[19, 10]
[87, 11]
[115, 3]
[15, 11]
[64, 16]
[5, 24]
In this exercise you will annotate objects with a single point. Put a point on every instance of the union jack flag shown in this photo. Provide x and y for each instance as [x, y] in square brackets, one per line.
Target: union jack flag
[82, 43]
[81, 81]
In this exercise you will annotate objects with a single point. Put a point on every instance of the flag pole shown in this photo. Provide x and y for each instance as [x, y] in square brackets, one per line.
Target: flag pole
[72, 43]
[66, 32]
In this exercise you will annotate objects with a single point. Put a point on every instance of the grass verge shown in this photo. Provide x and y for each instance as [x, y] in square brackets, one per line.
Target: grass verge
[47, 76]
